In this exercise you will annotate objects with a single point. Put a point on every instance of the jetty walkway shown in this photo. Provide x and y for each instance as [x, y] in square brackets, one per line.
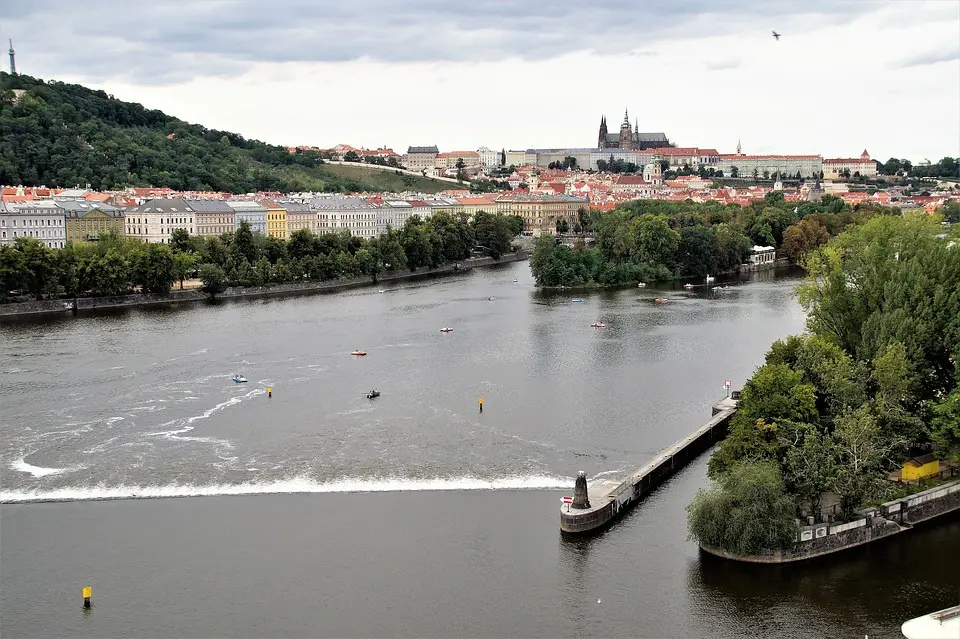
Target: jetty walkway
[596, 506]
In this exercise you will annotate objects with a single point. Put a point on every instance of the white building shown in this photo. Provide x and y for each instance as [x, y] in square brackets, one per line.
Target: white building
[355, 214]
[488, 157]
[863, 166]
[155, 220]
[40, 219]
[807, 165]
[763, 255]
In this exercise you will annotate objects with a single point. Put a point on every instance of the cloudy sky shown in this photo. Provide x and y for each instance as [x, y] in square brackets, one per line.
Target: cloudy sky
[846, 75]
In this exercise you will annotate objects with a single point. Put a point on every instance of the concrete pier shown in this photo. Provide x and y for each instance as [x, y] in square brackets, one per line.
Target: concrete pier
[607, 500]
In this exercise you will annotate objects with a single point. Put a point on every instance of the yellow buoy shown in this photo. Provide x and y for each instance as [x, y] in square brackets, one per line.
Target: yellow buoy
[269, 391]
[87, 593]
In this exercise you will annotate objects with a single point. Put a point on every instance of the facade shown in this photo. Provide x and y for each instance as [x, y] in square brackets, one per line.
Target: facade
[835, 168]
[807, 165]
[488, 157]
[541, 213]
[629, 137]
[212, 218]
[276, 219]
[449, 160]
[763, 255]
[470, 206]
[418, 158]
[300, 217]
[86, 221]
[353, 214]
[155, 220]
[393, 214]
[43, 220]
[254, 214]
[920, 467]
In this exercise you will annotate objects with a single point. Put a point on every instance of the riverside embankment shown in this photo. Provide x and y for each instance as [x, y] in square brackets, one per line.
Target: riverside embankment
[60, 306]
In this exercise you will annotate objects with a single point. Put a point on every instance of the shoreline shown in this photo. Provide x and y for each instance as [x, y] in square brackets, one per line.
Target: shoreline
[746, 268]
[64, 306]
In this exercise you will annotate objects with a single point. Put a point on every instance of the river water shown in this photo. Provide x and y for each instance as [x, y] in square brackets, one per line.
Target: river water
[325, 514]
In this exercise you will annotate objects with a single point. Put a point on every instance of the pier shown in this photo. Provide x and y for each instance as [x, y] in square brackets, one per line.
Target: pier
[601, 503]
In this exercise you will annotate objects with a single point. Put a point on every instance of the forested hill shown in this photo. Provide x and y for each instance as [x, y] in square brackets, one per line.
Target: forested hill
[58, 134]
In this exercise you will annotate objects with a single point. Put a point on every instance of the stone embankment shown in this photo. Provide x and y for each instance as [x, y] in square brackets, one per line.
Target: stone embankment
[891, 518]
[61, 306]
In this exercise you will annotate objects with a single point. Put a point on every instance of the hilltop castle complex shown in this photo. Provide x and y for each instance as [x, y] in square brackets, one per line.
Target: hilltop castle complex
[629, 137]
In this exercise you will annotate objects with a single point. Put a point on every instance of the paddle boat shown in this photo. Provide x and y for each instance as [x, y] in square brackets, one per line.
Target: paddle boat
[515, 280]
[577, 299]
[598, 325]
[660, 300]
[373, 394]
[641, 284]
[359, 353]
[381, 291]
[446, 329]
[688, 286]
[710, 278]
[240, 379]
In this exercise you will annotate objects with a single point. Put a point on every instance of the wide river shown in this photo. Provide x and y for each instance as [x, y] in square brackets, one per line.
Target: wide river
[320, 513]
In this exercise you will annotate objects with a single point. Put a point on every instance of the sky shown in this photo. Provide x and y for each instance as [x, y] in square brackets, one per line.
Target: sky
[845, 76]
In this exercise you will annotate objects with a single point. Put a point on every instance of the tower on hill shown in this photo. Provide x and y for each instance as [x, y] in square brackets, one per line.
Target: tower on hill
[13, 61]
[629, 136]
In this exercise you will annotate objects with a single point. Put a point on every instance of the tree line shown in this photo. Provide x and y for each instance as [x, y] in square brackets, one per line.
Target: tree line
[651, 240]
[831, 413]
[117, 265]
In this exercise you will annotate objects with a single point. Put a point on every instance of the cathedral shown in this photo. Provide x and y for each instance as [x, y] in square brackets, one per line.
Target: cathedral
[629, 137]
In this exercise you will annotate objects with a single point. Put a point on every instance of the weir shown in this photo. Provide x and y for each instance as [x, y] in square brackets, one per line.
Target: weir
[601, 503]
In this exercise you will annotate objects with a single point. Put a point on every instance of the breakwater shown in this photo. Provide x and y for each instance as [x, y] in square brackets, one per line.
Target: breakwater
[597, 506]
[872, 524]
[61, 306]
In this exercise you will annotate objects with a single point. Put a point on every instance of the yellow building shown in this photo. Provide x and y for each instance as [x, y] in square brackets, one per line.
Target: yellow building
[276, 219]
[920, 467]
[541, 213]
[88, 224]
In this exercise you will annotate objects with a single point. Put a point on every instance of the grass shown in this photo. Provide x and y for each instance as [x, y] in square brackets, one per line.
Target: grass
[386, 179]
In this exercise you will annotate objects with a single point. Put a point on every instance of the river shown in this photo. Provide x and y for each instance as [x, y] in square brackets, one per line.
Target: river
[319, 513]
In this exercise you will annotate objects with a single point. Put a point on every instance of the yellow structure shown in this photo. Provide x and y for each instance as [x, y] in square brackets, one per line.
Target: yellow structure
[920, 467]
[83, 226]
[276, 221]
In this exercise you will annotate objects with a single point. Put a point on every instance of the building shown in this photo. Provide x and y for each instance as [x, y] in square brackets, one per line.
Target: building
[300, 217]
[212, 218]
[418, 158]
[488, 157]
[760, 255]
[42, 219]
[920, 467]
[807, 166]
[629, 137]
[470, 206]
[863, 166]
[353, 214]
[252, 212]
[86, 221]
[449, 160]
[541, 213]
[276, 219]
[155, 220]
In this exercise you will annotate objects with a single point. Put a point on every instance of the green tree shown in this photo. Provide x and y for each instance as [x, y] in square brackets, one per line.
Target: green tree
[183, 265]
[153, 268]
[38, 263]
[697, 252]
[244, 246]
[214, 279]
[746, 513]
[12, 271]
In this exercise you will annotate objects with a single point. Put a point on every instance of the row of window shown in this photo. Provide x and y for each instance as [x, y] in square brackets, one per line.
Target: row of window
[33, 222]
[40, 234]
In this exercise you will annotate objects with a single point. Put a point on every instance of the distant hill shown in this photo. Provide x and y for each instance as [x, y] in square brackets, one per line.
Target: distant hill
[58, 134]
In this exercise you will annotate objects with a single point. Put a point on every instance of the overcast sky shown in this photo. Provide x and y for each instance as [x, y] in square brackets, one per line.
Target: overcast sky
[846, 75]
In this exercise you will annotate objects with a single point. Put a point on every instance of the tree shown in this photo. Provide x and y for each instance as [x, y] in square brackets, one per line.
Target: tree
[697, 251]
[461, 170]
[38, 267]
[351, 156]
[153, 268]
[655, 241]
[860, 452]
[244, 247]
[214, 279]
[12, 271]
[503, 157]
[810, 467]
[180, 241]
[493, 232]
[747, 512]
[183, 265]
[562, 226]
[801, 238]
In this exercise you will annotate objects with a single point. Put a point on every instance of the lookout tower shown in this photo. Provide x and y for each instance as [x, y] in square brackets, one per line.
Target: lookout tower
[13, 61]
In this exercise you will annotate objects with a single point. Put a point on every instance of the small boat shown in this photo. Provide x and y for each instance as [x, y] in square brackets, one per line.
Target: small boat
[359, 353]
[490, 298]
[577, 299]
[641, 284]
[710, 278]
[515, 280]
[381, 291]
[446, 329]
[373, 394]
[598, 325]
[688, 286]
[240, 379]
[660, 300]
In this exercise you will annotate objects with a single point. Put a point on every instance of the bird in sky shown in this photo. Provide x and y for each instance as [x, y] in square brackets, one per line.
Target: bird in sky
[775, 35]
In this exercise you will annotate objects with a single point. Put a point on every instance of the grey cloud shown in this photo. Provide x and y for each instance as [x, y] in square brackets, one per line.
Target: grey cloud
[160, 41]
[930, 57]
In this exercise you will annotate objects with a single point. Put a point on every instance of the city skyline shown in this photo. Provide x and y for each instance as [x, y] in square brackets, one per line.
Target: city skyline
[478, 76]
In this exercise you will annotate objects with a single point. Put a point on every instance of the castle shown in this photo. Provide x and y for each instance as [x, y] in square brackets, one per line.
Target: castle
[629, 137]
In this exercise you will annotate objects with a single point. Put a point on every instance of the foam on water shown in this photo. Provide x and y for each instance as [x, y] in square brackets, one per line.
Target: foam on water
[36, 471]
[296, 485]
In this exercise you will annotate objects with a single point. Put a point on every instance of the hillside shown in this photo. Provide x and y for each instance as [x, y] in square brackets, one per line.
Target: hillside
[58, 134]
[387, 179]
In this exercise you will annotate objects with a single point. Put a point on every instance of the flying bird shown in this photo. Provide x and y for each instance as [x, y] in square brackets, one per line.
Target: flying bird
[776, 35]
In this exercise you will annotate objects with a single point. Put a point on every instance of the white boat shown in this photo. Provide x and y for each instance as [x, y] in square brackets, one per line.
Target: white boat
[577, 299]
[598, 325]
[515, 280]
[446, 329]
[641, 284]
[943, 624]
[240, 379]
[688, 286]
[710, 278]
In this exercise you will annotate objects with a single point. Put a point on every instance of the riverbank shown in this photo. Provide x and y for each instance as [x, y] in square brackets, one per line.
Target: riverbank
[891, 518]
[782, 263]
[60, 306]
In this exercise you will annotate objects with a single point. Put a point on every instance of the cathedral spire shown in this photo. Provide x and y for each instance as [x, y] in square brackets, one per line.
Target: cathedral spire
[626, 117]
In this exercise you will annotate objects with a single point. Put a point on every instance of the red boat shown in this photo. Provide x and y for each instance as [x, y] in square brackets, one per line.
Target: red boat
[359, 353]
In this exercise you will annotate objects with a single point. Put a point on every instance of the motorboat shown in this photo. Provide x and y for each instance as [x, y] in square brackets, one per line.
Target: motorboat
[359, 353]
[660, 300]
[598, 325]
[373, 394]
[641, 284]
[446, 329]
[240, 379]
[710, 278]
[577, 299]
[515, 280]
[381, 291]
[688, 286]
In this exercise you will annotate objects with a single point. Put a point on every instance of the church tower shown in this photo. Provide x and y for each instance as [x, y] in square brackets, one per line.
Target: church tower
[602, 139]
[13, 62]
[626, 132]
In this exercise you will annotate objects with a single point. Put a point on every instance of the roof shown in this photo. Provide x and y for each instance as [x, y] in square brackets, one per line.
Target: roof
[423, 149]
[922, 460]
[163, 205]
[210, 206]
[340, 203]
[770, 157]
